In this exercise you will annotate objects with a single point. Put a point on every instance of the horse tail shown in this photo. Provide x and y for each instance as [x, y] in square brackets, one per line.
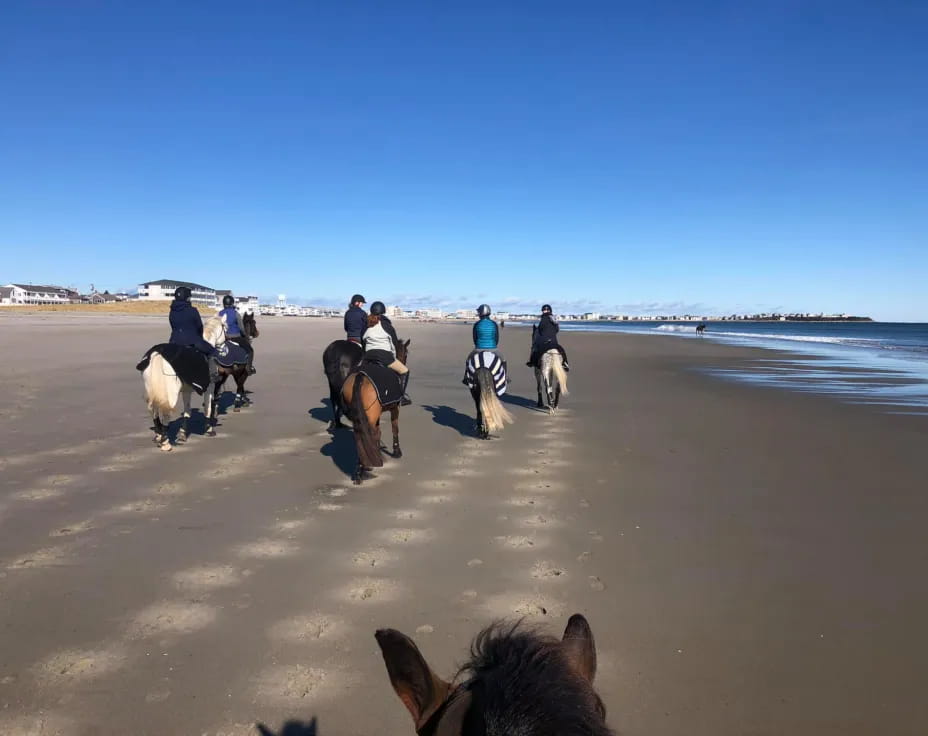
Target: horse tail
[495, 415]
[368, 445]
[557, 364]
[161, 387]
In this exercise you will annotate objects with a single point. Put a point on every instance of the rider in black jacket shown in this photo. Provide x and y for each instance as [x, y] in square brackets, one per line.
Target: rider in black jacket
[187, 329]
[355, 319]
[544, 338]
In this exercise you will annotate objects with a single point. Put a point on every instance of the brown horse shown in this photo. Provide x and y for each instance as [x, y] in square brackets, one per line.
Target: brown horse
[516, 682]
[365, 410]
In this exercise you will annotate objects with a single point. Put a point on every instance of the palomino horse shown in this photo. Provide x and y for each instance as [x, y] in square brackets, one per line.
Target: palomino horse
[163, 389]
[365, 411]
[551, 379]
[340, 358]
[239, 371]
[516, 682]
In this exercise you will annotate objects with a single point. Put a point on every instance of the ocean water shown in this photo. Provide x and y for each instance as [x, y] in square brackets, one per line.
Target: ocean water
[880, 363]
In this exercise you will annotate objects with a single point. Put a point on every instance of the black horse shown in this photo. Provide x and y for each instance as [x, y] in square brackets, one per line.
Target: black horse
[339, 359]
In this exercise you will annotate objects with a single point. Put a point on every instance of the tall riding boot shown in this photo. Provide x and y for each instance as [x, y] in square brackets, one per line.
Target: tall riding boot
[405, 401]
[251, 363]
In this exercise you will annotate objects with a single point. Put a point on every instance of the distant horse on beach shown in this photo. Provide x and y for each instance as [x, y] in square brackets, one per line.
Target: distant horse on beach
[238, 371]
[551, 379]
[517, 681]
[364, 409]
[339, 359]
[700, 328]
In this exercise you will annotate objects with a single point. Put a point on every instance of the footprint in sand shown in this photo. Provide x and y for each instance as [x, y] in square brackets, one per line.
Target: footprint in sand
[595, 536]
[171, 617]
[376, 557]
[405, 536]
[530, 604]
[597, 584]
[81, 664]
[517, 541]
[310, 628]
[208, 577]
[370, 590]
[545, 570]
[78, 528]
[290, 684]
[584, 556]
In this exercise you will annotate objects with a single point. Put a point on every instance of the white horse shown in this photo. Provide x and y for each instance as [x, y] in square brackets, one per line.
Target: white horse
[164, 388]
[551, 379]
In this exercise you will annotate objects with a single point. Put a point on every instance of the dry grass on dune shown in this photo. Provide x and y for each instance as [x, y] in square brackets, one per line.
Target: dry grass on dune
[133, 307]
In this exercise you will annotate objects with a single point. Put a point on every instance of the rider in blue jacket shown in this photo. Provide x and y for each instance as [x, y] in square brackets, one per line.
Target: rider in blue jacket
[356, 319]
[187, 329]
[235, 330]
[485, 334]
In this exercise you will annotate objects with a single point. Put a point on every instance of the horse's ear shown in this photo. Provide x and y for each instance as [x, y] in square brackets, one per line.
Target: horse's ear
[580, 647]
[420, 689]
[407, 342]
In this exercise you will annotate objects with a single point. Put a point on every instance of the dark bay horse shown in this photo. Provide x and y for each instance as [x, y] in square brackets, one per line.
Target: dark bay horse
[365, 410]
[516, 682]
[339, 359]
[239, 373]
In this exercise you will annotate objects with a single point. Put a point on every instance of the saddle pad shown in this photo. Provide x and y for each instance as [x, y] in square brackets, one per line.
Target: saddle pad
[188, 363]
[386, 382]
[486, 359]
[231, 354]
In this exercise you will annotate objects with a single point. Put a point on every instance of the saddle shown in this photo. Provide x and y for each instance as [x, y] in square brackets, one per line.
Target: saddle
[188, 363]
[386, 382]
[486, 359]
[231, 354]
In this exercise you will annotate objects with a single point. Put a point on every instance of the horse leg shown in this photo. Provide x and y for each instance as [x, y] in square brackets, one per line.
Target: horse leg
[210, 405]
[395, 425]
[239, 389]
[538, 385]
[161, 433]
[336, 421]
[183, 433]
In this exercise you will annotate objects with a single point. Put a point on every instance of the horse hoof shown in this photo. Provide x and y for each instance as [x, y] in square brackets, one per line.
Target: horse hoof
[397, 453]
[166, 447]
[236, 409]
[210, 432]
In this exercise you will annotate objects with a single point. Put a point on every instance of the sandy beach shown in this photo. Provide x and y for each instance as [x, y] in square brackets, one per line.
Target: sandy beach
[752, 561]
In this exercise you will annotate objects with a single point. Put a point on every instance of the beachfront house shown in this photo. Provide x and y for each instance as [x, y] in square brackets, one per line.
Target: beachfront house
[163, 290]
[32, 294]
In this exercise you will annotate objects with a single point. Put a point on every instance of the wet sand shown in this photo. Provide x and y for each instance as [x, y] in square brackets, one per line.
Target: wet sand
[752, 561]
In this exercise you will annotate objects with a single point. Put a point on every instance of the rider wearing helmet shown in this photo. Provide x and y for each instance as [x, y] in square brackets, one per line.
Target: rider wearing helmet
[356, 319]
[486, 336]
[187, 329]
[486, 331]
[544, 338]
[380, 343]
[235, 329]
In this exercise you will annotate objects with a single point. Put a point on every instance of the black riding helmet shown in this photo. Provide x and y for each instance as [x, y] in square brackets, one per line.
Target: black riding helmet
[546, 309]
[484, 310]
[228, 300]
[182, 293]
[378, 308]
[358, 298]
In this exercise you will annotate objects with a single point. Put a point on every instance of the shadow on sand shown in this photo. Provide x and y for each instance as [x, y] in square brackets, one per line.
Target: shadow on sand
[449, 417]
[520, 401]
[341, 448]
[291, 728]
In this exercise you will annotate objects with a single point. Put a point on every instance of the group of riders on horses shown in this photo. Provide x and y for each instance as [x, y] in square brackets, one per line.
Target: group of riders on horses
[187, 329]
[375, 334]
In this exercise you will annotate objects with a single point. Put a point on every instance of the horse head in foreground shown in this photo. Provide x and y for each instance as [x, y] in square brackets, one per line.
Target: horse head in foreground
[551, 379]
[516, 682]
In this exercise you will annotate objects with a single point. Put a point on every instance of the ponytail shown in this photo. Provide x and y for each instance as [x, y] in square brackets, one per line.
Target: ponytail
[373, 320]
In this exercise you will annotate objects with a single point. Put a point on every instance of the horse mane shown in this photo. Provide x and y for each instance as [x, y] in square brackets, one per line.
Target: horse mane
[212, 330]
[524, 684]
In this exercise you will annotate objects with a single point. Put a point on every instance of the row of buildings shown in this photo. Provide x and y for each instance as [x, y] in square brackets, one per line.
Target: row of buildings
[205, 296]
[24, 294]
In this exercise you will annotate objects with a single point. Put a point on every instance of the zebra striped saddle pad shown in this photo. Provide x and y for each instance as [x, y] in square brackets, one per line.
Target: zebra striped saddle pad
[486, 359]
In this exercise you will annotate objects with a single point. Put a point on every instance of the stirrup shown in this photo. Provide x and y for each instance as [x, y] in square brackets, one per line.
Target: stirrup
[405, 401]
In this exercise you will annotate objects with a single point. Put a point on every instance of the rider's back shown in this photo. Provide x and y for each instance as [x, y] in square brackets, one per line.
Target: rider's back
[229, 317]
[486, 334]
[547, 329]
[355, 323]
[186, 325]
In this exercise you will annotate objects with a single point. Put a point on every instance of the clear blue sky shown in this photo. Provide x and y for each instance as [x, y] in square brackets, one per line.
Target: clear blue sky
[621, 156]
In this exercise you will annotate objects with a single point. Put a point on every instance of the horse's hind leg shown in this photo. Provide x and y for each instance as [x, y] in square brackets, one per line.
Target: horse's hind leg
[539, 387]
[183, 433]
[395, 425]
[161, 433]
[239, 390]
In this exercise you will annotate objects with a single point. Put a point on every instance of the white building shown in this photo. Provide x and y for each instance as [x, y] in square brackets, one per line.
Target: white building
[394, 312]
[32, 294]
[163, 290]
